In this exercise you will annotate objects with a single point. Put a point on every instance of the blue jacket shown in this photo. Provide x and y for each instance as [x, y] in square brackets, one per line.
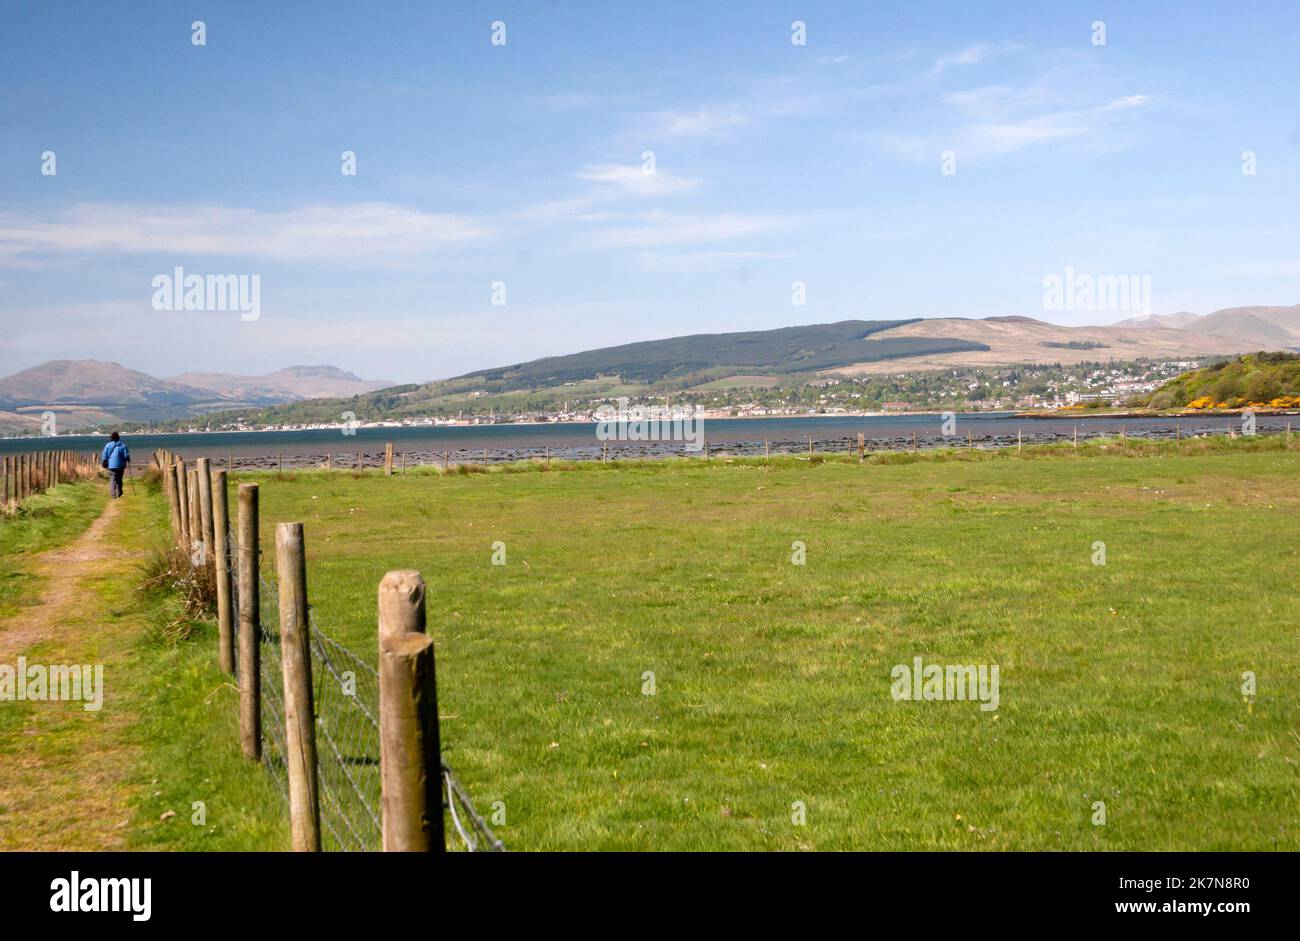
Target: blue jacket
[116, 454]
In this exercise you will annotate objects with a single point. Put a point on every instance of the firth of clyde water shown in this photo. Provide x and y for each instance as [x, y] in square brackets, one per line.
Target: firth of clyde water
[578, 441]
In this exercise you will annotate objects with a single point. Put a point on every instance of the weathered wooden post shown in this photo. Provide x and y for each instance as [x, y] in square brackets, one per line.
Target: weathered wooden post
[1076, 437]
[221, 561]
[183, 500]
[203, 473]
[279, 465]
[1019, 443]
[862, 447]
[250, 630]
[329, 463]
[196, 515]
[766, 452]
[388, 459]
[970, 440]
[299, 716]
[173, 505]
[410, 752]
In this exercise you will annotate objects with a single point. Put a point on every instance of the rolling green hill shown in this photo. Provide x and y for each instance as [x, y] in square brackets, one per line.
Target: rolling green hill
[652, 367]
[785, 350]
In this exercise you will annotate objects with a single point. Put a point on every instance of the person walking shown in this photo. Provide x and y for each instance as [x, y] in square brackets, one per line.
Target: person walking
[116, 457]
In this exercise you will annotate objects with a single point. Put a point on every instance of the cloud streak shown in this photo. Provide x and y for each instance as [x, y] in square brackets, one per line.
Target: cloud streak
[365, 232]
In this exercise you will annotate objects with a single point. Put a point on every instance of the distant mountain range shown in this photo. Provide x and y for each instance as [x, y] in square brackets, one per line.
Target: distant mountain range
[86, 391]
[1264, 328]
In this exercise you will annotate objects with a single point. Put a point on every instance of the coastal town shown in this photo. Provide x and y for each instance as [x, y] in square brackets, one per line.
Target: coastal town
[993, 389]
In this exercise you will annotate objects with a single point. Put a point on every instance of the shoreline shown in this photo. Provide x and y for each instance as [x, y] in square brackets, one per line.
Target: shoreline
[614, 451]
[1037, 415]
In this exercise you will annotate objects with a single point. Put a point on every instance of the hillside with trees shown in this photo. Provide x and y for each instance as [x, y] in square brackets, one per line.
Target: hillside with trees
[1255, 380]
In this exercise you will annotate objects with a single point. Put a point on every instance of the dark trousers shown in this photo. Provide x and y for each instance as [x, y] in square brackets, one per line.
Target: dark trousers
[115, 481]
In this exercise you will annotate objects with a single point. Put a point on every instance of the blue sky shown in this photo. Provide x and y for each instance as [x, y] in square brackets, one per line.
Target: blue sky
[523, 163]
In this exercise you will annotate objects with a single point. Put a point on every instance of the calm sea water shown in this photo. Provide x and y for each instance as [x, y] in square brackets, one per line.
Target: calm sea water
[578, 440]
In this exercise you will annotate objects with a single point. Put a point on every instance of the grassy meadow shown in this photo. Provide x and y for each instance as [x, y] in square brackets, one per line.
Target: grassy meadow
[1120, 682]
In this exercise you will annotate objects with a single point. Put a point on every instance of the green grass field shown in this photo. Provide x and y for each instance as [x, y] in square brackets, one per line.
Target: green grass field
[1119, 682]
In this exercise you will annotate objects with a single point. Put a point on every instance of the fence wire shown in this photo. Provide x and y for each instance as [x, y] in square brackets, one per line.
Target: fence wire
[345, 697]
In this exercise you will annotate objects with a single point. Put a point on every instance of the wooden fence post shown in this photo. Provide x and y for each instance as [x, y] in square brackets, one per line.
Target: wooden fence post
[862, 447]
[203, 471]
[173, 505]
[299, 716]
[410, 753]
[196, 516]
[221, 560]
[250, 629]
[388, 459]
[183, 501]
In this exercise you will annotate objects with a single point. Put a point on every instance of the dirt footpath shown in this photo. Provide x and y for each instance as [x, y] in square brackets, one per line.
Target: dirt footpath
[63, 769]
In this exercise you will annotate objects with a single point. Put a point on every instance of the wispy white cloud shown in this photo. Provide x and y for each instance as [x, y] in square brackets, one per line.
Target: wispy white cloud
[659, 229]
[972, 55]
[1128, 101]
[1001, 119]
[707, 121]
[635, 181]
[368, 232]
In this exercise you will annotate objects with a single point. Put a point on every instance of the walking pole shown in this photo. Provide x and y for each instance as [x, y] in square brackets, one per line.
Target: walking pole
[130, 478]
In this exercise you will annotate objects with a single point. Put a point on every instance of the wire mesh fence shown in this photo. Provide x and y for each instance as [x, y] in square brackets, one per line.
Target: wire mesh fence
[345, 694]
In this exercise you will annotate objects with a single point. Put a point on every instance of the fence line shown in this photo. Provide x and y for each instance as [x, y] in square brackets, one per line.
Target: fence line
[25, 475]
[364, 756]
